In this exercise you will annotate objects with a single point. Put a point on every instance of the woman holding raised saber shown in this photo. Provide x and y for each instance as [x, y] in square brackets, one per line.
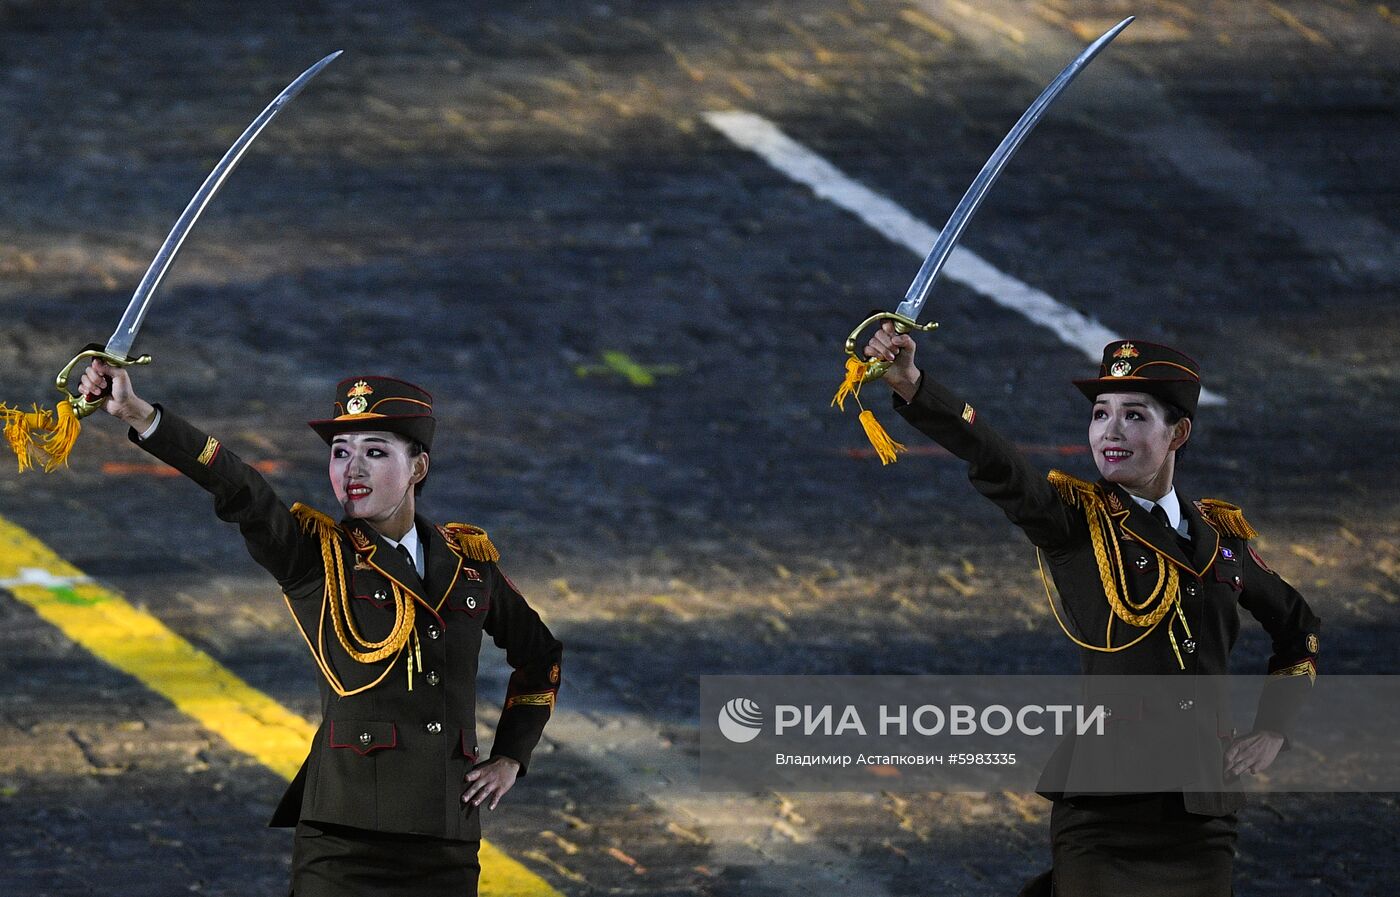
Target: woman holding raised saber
[1149, 583]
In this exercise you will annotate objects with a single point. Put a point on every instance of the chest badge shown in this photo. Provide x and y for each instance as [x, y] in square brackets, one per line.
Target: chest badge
[470, 573]
[1226, 554]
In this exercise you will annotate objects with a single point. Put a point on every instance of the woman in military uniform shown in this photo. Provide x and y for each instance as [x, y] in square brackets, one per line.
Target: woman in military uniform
[393, 609]
[1149, 583]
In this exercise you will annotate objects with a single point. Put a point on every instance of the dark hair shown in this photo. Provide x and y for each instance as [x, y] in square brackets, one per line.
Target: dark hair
[416, 448]
[1172, 413]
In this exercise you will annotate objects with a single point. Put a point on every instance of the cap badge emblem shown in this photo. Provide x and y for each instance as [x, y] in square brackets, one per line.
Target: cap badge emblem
[358, 403]
[1120, 369]
[1127, 350]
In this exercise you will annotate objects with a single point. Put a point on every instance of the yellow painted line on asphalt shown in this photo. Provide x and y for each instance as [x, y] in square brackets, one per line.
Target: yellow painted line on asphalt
[135, 642]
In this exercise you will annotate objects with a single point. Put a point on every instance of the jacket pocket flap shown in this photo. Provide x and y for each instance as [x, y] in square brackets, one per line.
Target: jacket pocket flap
[1228, 573]
[362, 737]
[468, 745]
[468, 601]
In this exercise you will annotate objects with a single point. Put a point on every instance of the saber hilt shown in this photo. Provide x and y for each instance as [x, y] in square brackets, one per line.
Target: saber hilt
[84, 405]
[875, 369]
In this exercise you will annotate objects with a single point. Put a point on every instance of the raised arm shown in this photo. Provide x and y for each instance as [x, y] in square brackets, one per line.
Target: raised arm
[996, 468]
[241, 495]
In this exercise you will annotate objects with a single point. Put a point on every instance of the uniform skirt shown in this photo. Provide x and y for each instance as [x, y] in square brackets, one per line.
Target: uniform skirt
[339, 861]
[1144, 845]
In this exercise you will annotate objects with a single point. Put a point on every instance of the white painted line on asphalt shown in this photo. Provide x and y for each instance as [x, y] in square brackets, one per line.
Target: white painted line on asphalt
[38, 576]
[759, 135]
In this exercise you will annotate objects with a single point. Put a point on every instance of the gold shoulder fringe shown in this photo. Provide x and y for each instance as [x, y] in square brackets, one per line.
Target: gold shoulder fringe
[473, 541]
[1073, 491]
[1227, 519]
[313, 521]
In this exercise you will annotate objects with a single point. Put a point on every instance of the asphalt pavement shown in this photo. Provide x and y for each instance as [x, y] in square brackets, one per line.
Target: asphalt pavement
[632, 328]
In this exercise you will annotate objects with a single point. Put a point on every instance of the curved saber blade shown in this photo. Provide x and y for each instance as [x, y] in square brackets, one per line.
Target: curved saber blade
[120, 343]
[948, 238]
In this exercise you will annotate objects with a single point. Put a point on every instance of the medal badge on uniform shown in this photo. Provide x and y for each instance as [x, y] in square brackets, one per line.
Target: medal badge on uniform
[358, 402]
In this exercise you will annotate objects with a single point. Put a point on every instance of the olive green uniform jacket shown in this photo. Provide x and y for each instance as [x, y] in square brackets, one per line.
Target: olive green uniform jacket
[1113, 563]
[389, 758]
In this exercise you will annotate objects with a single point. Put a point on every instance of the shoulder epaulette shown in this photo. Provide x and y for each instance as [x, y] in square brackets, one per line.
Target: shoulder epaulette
[1073, 491]
[473, 541]
[1227, 519]
[313, 521]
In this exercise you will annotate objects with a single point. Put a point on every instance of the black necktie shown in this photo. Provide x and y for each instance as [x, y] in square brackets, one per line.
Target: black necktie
[1159, 513]
[408, 556]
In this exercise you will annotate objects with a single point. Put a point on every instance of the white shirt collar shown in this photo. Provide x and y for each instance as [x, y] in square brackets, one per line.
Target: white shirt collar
[1170, 503]
[411, 543]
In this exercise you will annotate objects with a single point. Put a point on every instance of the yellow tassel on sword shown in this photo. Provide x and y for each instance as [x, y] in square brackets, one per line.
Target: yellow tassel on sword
[856, 372]
[48, 436]
[859, 370]
[885, 447]
[905, 317]
[41, 435]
